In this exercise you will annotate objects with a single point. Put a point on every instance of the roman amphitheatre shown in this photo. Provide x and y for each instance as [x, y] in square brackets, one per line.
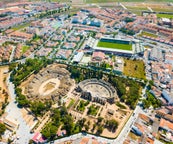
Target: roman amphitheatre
[50, 83]
[97, 91]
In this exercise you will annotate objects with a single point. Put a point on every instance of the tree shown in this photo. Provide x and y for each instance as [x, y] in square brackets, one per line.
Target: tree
[37, 108]
[56, 117]
[68, 124]
[99, 129]
[63, 111]
[112, 125]
[2, 129]
[12, 66]
[99, 120]
[22, 101]
[81, 122]
[94, 126]
[127, 19]
[49, 131]
[86, 127]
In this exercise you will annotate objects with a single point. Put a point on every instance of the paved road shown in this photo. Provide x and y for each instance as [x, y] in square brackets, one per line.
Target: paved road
[123, 134]
[12, 54]
[23, 132]
[123, 6]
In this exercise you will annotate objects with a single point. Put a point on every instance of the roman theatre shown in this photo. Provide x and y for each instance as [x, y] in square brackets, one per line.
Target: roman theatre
[97, 91]
[50, 83]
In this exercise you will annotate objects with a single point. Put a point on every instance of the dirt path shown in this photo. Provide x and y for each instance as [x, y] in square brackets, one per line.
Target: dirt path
[3, 87]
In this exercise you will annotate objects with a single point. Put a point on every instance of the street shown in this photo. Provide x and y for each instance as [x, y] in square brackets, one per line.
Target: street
[23, 132]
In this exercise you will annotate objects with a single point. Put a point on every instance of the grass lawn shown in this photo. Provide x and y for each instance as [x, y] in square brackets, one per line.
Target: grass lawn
[18, 27]
[148, 34]
[93, 109]
[120, 105]
[25, 48]
[134, 68]
[36, 39]
[114, 45]
[71, 103]
[164, 16]
[81, 106]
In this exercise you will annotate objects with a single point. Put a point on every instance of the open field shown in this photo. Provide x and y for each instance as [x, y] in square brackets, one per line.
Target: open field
[25, 48]
[3, 86]
[137, 9]
[161, 9]
[164, 16]
[104, 1]
[134, 68]
[114, 45]
[99, 1]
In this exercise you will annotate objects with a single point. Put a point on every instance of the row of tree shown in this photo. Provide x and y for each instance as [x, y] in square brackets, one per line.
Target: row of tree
[126, 31]
[37, 107]
[2, 129]
[24, 70]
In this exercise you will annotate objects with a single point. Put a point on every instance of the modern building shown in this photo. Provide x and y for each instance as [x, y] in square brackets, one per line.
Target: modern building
[136, 131]
[78, 57]
[38, 138]
[166, 125]
[156, 54]
[11, 124]
[167, 97]
[98, 56]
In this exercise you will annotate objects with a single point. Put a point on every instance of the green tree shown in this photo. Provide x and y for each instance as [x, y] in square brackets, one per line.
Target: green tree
[49, 131]
[2, 129]
[12, 66]
[38, 108]
[112, 125]
[100, 129]
[99, 120]
[56, 117]
[68, 124]
[86, 127]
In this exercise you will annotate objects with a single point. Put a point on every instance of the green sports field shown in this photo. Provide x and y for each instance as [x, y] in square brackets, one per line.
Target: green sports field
[115, 45]
[164, 15]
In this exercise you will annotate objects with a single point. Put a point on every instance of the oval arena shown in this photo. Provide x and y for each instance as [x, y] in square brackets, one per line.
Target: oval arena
[50, 83]
[97, 91]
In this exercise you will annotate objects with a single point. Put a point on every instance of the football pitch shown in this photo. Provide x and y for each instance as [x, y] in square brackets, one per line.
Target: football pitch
[165, 16]
[115, 45]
